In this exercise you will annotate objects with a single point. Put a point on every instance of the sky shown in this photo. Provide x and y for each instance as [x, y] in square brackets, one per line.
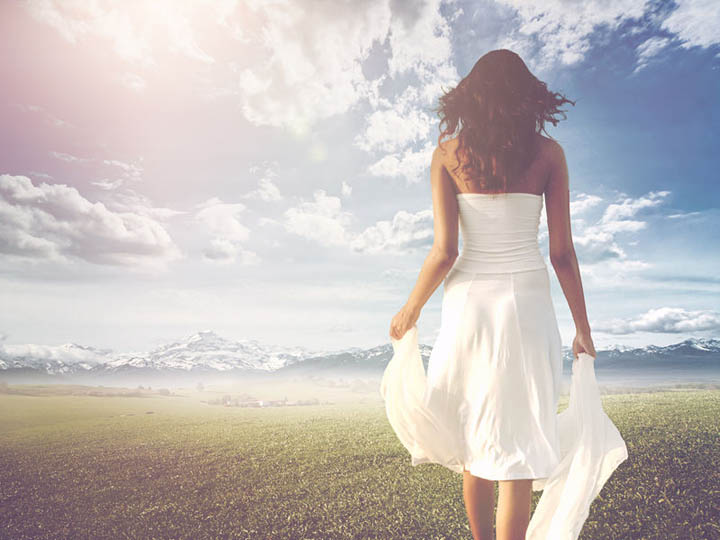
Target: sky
[261, 168]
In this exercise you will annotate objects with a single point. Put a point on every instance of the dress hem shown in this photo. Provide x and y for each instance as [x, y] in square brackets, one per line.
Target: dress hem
[487, 475]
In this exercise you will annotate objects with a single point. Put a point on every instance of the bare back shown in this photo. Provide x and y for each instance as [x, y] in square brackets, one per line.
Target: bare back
[533, 181]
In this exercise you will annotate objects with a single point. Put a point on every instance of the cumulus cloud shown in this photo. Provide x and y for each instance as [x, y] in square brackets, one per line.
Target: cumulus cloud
[409, 164]
[628, 207]
[405, 232]
[266, 191]
[564, 34]
[420, 45]
[393, 129]
[54, 221]
[663, 320]
[695, 23]
[307, 75]
[583, 202]
[391, 132]
[228, 234]
[322, 220]
[598, 242]
[548, 32]
[320, 75]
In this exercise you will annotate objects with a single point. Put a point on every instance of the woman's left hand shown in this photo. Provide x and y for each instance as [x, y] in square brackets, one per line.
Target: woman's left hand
[403, 321]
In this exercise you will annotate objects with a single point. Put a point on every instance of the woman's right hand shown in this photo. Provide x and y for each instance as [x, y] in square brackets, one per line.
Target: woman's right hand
[583, 343]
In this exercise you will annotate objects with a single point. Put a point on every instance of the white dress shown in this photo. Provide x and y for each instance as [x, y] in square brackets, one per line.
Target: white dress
[488, 402]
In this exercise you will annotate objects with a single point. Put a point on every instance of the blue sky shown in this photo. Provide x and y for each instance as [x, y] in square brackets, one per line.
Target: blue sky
[261, 169]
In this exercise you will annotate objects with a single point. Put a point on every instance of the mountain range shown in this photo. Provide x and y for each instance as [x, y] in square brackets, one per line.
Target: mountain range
[208, 355]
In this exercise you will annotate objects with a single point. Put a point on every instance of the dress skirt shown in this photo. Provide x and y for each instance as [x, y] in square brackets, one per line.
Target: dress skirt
[494, 374]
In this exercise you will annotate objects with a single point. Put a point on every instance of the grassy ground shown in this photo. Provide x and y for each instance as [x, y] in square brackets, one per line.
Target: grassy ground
[103, 467]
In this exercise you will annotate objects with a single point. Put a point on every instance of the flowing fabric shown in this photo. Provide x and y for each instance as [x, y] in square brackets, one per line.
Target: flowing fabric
[488, 402]
[591, 447]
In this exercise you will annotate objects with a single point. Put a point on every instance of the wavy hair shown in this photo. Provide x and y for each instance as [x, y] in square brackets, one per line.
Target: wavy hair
[499, 107]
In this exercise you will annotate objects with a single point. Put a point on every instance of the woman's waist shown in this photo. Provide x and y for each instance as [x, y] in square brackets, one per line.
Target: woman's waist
[478, 260]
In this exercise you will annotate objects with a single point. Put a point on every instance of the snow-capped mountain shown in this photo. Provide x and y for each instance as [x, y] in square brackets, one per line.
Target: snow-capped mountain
[689, 353]
[66, 358]
[206, 350]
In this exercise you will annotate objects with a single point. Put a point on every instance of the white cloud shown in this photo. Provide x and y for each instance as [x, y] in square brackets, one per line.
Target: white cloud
[266, 191]
[394, 128]
[325, 222]
[629, 206]
[305, 74]
[408, 164]
[68, 157]
[54, 221]
[308, 76]
[222, 220]
[648, 49]
[322, 220]
[130, 200]
[684, 215]
[565, 32]
[404, 233]
[346, 189]
[420, 41]
[420, 45]
[598, 242]
[583, 202]
[696, 23]
[107, 184]
[284, 72]
[664, 320]
[129, 172]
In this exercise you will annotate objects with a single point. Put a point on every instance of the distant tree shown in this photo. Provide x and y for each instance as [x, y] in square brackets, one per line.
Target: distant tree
[163, 391]
[140, 387]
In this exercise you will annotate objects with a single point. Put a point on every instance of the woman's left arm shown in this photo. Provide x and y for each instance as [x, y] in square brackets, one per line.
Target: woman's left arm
[444, 250]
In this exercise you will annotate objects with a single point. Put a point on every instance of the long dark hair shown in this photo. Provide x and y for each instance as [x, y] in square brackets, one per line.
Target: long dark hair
[501, 105]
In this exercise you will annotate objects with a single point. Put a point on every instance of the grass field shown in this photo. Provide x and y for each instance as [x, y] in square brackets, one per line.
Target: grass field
[103, 467]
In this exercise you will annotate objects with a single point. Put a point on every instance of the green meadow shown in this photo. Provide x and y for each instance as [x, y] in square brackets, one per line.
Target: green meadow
[169, 466]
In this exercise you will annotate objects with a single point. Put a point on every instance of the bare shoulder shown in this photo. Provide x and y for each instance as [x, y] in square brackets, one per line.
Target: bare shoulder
[551, 150]
[446, 147]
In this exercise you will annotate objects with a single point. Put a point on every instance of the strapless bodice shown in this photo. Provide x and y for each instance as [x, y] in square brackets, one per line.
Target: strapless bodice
[499, 232]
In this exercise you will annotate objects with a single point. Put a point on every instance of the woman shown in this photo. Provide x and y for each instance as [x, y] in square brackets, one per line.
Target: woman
[494, 373]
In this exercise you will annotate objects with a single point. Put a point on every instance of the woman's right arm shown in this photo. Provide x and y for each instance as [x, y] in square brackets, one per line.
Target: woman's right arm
[562, 250]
